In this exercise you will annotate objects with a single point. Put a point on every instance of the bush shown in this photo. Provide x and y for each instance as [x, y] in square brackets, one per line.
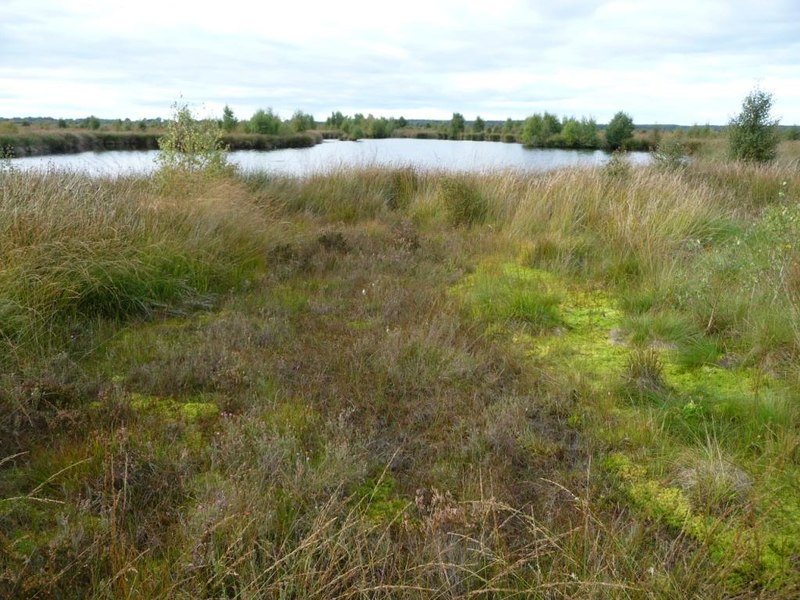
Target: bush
[229, 120]
[302, 122]
[670, 155]
[538, 130]
[265, 122]
[619, 130]
[753, 134]
[190, 146]
[644, 372]
[617, 166]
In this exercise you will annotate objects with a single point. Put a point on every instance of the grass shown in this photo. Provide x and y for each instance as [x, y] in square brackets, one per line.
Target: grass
[50, 141]
[389, 383]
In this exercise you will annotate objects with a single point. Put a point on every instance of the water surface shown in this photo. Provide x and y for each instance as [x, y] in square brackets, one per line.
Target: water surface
[444, 155]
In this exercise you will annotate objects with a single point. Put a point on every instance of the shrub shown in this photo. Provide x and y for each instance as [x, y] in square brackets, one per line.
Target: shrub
[457, 124]
[617, 166]
[537, 130]
[229, 120]
[92, 123]
[190, 146]
[302, 122]
[265, 122]
[619, 130]
[670, 155]
[753, 134]
[402, 185]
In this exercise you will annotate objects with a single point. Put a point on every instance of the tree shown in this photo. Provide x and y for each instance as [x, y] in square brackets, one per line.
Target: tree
[571, 132]
[336, 120]
[753, 134]
[265, 122]
[537, 130]
[479, 125]
[91, 122]
[190, 146]
[619, 130]
[302, 121]
[552, 126]
[378, 128]
[229, 121]
[456, 125]
[587, 133]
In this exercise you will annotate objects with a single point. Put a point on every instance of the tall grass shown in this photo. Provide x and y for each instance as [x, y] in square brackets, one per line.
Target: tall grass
[74, 249]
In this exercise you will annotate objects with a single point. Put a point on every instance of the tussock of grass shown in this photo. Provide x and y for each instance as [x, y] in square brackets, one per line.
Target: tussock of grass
[513, 295]
[74, 249]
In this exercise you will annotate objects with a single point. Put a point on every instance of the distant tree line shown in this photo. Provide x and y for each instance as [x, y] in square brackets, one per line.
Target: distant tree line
[752, 135]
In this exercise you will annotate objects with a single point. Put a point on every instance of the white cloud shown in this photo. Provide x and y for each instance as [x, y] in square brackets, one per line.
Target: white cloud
[684, 61]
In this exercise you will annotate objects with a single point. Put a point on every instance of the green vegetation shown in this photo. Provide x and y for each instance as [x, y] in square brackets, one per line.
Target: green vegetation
[39, 143]
[92, 123]
[539, 130]
[229, 120]
[580, 134]
[457, 125]
[301, 122]
[267, 130]
[264, 122]
[65, 141]
[619, 131]
[390, 383]
[190, 148]
[753, 134]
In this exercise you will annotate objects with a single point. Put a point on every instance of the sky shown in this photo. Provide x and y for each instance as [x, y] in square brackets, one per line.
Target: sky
[667, 62]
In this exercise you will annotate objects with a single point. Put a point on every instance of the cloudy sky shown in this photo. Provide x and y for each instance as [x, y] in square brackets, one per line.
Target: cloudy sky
[676, 61]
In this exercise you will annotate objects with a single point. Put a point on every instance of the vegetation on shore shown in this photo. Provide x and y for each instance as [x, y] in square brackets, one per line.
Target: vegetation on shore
[394, 383]
[42, 143]
[267, 130]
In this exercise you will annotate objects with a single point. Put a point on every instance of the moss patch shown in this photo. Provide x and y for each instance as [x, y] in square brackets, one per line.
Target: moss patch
[382, 502]
[583, 333]
[192, 411]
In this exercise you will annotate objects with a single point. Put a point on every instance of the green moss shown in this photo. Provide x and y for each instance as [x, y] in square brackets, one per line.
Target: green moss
[764, 550]
[382, 503]
[585, 345]
[196, 411]
[710, 380]
[191, 411]
[699, 399]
